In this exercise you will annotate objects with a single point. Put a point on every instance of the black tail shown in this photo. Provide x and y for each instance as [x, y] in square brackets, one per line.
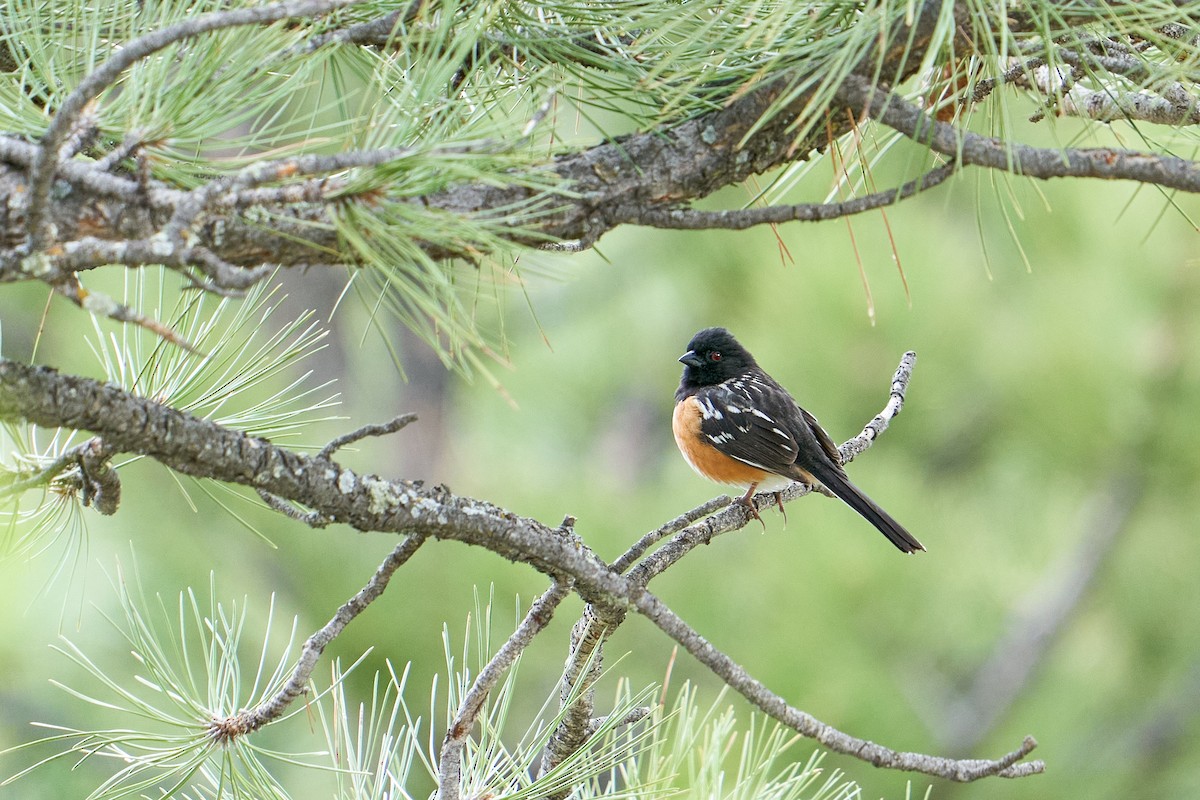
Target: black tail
[852, 496]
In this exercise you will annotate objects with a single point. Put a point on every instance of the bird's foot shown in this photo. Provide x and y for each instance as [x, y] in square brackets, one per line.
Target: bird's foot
[747, 500]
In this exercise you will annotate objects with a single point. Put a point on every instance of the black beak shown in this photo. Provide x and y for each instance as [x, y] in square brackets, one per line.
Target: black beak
[691, 359]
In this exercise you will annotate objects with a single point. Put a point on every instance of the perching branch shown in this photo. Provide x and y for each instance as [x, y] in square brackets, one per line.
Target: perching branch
[600, 620]
[205, 449]
[639, 548]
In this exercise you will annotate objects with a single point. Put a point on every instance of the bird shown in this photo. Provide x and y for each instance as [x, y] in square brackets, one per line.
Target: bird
[736, 425]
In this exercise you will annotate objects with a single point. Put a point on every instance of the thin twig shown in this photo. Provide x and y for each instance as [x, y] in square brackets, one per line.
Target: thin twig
[273, 707]
[126, 149]
[741, 219]
[83, 133]
[312, 519]
[539, 115]
[636, 715]
[638, 549]
[224, 190]
[378, 31]
[731, 519]
[367, 430]
[230, 190]
[1126, 64]
[103, 305]
[90, 252]
[1015, 74]
[852, 448]
[314, 190]
[535, 621]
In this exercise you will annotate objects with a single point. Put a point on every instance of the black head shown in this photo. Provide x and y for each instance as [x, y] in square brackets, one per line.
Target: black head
[713, 356]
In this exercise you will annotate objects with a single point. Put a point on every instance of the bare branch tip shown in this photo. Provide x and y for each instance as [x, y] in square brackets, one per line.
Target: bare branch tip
[1028, 745]
[393, 425]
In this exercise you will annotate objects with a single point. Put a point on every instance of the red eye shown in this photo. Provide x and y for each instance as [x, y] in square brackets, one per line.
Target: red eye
[714, 356]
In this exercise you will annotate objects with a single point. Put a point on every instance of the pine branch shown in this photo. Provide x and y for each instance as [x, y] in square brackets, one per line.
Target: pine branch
[636, 176]
[611, 184]
[205, 449]
[234, 228]
[386, 429]
[49, 154]
[1171, 105]
[639, 548]
[974, 149]
[696, 527]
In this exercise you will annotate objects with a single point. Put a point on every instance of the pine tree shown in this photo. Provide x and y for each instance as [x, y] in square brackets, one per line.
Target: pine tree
[429, 151]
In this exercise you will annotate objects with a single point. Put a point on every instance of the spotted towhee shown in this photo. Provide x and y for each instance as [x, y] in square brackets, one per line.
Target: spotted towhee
[734, 424]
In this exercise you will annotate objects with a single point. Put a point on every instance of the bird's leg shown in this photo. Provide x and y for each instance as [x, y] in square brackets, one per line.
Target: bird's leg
[748, 502]
[779, 502]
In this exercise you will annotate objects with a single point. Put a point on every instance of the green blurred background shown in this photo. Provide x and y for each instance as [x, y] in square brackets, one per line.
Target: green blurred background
[1050, 427]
